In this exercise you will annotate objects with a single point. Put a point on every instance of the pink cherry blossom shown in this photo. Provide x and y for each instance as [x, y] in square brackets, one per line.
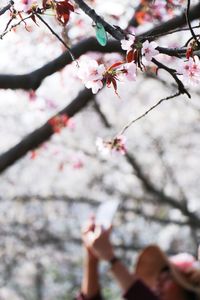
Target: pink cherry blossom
[91, 74]
[190, 70]
[149, 50]
[94, 85]
[127, 44]
[131, 71]
[118, 144]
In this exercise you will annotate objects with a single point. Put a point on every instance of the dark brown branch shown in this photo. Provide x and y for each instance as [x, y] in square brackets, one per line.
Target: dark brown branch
[172, 72]
[34, 79]
[189, 23]
[7, 7]
[116, 33]
[101, 114]
[173, 23]
[56, 35]
[43, 133]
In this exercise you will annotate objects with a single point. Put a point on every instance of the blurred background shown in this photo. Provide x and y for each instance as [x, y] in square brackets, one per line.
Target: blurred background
[48, 194]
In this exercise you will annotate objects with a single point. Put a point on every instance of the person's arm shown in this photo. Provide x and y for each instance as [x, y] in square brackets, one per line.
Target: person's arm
[90, 288]
[90, 283]
[100, 245]
[122, 275]
[132, 287]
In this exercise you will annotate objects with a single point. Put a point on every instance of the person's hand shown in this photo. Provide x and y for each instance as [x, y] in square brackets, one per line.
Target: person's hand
[97, 241]
[88, 227]
[193, 276]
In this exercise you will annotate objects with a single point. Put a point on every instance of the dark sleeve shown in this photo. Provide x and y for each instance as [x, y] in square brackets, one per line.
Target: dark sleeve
[82, 297]
[140, 291]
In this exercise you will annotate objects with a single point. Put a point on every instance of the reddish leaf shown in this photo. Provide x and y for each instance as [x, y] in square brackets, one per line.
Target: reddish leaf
[63, 9]
[117, 64]
[130, 56]
[114, 83]
[189, 53]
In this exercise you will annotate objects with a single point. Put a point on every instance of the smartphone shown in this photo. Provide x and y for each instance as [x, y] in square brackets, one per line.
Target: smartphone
[106, 212]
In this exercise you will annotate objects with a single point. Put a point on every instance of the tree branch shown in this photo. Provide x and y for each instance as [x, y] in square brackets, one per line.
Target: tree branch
[173, 23]
[43, 133]
[7, 7]
[193, 219]
[34, 79]
[116, 33]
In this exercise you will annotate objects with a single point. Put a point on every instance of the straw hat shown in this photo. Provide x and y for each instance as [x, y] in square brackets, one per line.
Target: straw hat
[152, 261]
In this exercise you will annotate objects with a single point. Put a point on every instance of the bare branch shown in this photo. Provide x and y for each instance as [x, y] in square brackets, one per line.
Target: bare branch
[148, 111]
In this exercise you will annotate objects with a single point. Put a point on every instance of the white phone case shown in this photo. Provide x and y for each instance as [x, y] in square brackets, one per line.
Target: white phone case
[106, 213]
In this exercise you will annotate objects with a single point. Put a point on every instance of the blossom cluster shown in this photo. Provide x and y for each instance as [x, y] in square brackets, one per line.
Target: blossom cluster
[118, 145]
[190, 70]
[93, 75]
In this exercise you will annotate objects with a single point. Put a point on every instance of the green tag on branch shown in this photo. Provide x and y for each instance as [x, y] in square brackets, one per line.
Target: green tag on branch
[101, 34]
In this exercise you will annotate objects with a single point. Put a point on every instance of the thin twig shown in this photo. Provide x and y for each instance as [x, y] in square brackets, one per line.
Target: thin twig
[181, 86]
[153, 37]
[54, 33]
[148, 111]
[189, 24]
[13, 26]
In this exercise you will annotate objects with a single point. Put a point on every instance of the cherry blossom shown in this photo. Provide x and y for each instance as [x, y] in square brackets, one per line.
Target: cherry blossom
[118, 144]
[130, 71]
[127, 44]
[190, 70]
[102, 147]
[58, 122]
[95, 85]
[91, 74]
[149, 50]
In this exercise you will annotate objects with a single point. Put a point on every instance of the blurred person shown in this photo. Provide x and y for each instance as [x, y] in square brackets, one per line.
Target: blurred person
[156, 277]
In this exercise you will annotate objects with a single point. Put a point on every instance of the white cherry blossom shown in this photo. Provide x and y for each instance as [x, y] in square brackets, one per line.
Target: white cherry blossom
[95, 85]
[91, 74]
[131, 71]
[127, 44]
[149, 50]
[190, 70]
